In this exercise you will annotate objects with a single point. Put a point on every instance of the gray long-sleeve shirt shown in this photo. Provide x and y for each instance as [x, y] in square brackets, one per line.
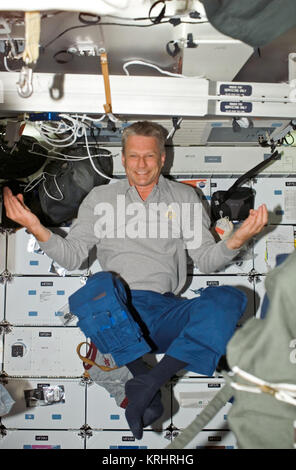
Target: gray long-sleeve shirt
[143, 241]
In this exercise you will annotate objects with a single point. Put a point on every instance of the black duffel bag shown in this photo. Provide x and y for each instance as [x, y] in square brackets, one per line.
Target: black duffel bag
[65, 183]
[18, 161]
[236, 202]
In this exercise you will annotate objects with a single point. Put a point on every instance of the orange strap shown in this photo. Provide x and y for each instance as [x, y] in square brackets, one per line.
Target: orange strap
[105, 72]
[89, 361]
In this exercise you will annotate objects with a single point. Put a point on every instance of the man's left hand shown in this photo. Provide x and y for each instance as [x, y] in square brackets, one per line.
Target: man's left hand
[256, 221]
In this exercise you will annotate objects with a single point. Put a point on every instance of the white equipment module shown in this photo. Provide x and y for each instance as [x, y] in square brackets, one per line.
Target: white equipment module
[48, 352]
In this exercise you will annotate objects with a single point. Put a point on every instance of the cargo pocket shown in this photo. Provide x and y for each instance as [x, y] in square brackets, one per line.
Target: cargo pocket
[114, 330]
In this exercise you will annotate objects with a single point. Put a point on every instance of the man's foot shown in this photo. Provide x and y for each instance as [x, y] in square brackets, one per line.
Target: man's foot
[144, 404]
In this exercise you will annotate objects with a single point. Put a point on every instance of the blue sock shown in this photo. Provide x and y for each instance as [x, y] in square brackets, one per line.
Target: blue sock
[142, 389]
[155, 408]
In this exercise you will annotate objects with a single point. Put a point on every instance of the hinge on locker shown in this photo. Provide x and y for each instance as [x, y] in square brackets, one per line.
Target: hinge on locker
[5, 276]
[85, 431]
[5, 327]
[86, 379]
[253, 275]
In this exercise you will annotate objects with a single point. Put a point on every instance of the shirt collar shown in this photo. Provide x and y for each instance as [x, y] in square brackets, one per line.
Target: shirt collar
[127, 187]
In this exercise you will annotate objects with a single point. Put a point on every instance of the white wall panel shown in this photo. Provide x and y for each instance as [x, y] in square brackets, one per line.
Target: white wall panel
[41, 439]
[67, 411]
[43, 299]
[125, 440]
[214, 160]
[279, 195]
[191, 397]
[43, 351]
[24, 256]
[213, 440]
[103, 412]
[272, 241]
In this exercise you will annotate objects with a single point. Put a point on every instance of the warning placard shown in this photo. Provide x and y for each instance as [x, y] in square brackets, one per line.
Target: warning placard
[236, 107]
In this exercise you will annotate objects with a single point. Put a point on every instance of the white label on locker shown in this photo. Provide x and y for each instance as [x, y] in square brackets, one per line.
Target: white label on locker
[195, 399]
[214, 438]
[235, 89]
[44, 296]
[236, 106]
[290, 204]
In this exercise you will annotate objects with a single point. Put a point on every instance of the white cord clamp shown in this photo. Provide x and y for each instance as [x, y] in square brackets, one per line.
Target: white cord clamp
[281, 391]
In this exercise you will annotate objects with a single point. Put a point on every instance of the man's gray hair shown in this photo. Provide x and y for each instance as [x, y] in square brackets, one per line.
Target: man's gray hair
[146, 129]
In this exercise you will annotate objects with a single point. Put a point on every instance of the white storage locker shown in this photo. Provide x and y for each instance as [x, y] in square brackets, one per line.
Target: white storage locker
[44, 300]
[61, 404]
[272, 241]
[279, 195]
[2, 252]
[216, 439]
[125, 440]
[41, 439]
[43, 351]
[191, 396]
[24, 256]
[243, 283]
[103, 412]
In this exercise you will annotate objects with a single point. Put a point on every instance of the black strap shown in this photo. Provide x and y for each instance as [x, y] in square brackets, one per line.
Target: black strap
[158, 19]
[250, 174]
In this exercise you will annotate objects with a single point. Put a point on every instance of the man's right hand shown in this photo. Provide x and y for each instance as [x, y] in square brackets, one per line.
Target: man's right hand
[17, 211]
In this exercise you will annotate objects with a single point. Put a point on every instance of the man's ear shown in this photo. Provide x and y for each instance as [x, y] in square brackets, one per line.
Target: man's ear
[163, 155]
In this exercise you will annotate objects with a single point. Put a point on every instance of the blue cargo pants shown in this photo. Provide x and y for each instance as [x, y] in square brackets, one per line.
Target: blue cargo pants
[195, 331]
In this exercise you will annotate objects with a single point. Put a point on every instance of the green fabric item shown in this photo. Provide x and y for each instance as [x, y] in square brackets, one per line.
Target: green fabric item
[264, 348]
[255, 22]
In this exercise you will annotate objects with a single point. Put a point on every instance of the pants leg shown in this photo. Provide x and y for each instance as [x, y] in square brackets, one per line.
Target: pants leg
[195, 331]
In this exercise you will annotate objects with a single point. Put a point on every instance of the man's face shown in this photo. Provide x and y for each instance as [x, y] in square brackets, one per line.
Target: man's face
[142, 160]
